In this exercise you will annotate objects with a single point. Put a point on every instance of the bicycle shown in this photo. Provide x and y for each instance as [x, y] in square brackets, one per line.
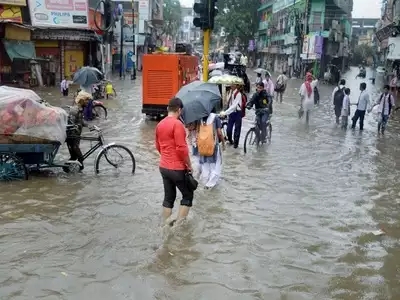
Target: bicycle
[98, 110]
[253, 135]
[105, 152]
[224, 129]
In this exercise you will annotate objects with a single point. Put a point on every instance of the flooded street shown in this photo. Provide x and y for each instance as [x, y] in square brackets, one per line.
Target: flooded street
[293, 220]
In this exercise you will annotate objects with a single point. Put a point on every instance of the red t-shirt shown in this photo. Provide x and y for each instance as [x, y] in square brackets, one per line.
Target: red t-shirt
[171, 144]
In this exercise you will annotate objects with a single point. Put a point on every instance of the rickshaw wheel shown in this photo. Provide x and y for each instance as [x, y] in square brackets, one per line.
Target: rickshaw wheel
[12, 167]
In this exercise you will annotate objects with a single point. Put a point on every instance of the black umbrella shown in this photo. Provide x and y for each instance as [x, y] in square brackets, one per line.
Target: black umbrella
[87, 76]
[199, 99]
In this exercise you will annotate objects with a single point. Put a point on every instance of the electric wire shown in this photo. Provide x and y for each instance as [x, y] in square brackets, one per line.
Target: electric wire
[97, 9]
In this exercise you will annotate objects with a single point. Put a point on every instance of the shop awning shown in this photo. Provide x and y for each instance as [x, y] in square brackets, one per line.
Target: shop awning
[20, 49]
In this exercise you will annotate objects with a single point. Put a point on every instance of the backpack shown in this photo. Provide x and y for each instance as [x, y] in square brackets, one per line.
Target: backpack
[316, 95]
[243, 105]
[338, 97]
[206, 137]
[279, 84]
[390, 102]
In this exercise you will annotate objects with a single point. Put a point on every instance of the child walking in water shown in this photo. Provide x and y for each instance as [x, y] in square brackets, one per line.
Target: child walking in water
[345, 108]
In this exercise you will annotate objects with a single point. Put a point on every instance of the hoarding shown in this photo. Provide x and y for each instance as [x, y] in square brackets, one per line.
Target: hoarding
[59, 13]
[10, 14]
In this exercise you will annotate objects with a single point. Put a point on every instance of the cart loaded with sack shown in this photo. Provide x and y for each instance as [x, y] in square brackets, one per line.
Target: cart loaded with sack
[31, 132]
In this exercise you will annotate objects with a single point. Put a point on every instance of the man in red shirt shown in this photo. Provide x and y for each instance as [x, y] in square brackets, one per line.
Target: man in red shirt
[175, 160]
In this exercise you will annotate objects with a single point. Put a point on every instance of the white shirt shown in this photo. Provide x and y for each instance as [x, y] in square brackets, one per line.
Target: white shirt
[335, 90]
[308, 100]
[345, 106]
[363, 101]
[269, 86]
[64, 84]
[384, 103]
[234, 102]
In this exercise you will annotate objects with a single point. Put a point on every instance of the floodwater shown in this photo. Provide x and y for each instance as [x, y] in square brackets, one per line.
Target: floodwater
[290, 221]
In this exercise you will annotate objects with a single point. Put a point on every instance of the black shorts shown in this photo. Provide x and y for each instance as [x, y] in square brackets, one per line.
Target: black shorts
[173, 179]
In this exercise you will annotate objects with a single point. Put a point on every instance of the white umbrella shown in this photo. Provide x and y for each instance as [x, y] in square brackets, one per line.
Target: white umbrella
[216, 73]
[260, 71]
[226, 79]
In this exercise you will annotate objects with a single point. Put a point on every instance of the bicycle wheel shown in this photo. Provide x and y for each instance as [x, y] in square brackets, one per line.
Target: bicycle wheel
[251, 139]
[269, 132]
[224, 129]
[12, 168]
[112, 154]
[99, 111]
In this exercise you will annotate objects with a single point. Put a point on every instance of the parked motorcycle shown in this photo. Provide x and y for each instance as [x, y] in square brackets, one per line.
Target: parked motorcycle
[362, 73]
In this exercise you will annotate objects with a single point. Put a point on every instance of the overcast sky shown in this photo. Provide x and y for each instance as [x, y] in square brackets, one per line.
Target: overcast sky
[362, 8]
[367, 9]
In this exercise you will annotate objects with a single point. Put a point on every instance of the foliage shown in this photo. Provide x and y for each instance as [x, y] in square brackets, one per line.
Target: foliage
[361, 53]
[172, 15]
[239, 18]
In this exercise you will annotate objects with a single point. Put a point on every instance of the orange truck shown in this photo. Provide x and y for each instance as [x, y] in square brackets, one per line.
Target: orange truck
[163, 75]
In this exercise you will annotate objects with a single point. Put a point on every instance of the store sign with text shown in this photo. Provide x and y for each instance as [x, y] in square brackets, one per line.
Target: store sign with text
[59, 13]
[14, 2]
[394, 48]
[10, 14]
[312, 46]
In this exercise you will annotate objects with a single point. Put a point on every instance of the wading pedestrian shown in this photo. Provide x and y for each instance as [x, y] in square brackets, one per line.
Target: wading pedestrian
[174, 161]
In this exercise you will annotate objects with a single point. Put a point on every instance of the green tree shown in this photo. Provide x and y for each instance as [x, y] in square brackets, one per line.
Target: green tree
[361, 53]
[172, 15]
[239, 18]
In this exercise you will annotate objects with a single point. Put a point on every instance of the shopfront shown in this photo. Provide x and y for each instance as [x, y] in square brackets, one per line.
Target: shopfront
[50, 58]
[68, 39]
[15, 47]
[74, 57]
[72, 52]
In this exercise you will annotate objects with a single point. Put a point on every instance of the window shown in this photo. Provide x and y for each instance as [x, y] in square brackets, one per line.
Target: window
[186, 25]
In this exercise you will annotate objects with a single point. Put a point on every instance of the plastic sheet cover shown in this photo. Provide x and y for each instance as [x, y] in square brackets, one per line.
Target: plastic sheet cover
[22, 114]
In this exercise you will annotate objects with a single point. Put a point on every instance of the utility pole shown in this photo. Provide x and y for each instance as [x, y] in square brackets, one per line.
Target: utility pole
[133, 74]
[305, 29]
[207, 12]
[107, 36]
[121, 46]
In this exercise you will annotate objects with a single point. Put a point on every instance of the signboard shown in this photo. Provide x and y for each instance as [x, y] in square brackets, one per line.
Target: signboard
[59, 13]
[252, 45]
[93, 15]
[10, 14]
[385, 32]
[63, 35]
[394, 48]
[311, 47]
[129, 60]
[14, 2]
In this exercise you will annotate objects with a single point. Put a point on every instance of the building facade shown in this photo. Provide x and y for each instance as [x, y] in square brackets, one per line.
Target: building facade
[388, 47]
[44, 41]
[363, 31]
[303, 34]
[188, 33]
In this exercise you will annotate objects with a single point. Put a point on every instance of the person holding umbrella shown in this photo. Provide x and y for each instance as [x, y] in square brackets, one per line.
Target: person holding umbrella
[235, 113]
[208, 142]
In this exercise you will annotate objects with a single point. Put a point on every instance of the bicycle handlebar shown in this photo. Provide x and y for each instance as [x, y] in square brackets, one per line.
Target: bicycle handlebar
[94, 128]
